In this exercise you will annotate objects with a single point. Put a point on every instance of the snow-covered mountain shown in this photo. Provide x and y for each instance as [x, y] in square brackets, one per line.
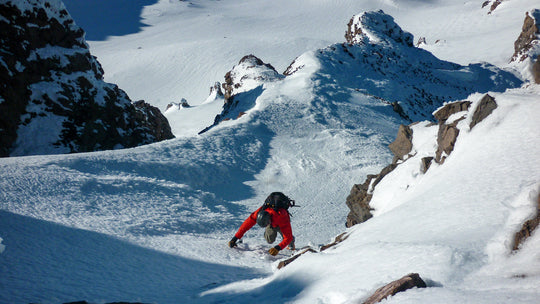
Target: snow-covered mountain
[53, 98]
[150, 224]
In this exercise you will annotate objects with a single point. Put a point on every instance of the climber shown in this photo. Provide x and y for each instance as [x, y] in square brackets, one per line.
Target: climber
[274, 216]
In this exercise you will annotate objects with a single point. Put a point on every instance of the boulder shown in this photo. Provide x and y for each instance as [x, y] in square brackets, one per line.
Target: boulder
[402, 145]
[360, 196]
[446, 139]
[443, 113]
[407, 282]
[484, 109]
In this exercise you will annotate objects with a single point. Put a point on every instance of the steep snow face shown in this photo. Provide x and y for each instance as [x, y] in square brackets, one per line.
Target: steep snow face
[453, 225]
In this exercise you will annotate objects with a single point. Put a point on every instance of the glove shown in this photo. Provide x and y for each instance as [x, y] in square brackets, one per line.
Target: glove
[274, 250]
[232, 242]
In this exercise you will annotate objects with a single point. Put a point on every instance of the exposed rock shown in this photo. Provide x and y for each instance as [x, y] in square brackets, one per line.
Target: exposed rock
[152, 118]
[402, 145]
[528, 38]
[293, 258]
[358, 203]
[446, 139]
[179, 105]
[249, 73]
[493, 5]
[484, 109]
[340, 238]
[527, 228]
[216, 89]
[444, 112]
[52, 88]
[243, 84]
[407, 282]
[376, 27]
[360, 196]
[535, 70]
[426, 163]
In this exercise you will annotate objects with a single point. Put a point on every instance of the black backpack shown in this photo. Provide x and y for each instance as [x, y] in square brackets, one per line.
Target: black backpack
[278, 200]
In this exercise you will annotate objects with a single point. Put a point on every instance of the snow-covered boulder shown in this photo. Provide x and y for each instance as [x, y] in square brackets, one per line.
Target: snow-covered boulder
[527, 46]
[249, 73]
[243, 84]
[376, 27]
[53, 98]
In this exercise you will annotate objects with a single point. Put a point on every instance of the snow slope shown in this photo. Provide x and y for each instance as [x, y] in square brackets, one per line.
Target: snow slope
[151, 223]
[454, 225]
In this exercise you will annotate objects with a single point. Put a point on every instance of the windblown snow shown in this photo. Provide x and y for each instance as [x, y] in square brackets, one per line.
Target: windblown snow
[151, 224]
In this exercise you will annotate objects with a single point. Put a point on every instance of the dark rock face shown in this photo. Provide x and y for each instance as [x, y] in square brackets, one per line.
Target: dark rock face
[52, 89]
[407, 282]
[527, 45]
[529, 34]
[527, 228]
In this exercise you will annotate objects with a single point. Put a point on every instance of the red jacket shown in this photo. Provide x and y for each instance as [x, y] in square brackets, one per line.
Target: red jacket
[280, 219]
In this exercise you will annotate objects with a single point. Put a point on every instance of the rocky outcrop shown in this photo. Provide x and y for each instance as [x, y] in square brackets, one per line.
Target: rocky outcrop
[527, 228]
[402, 145]
[448, 132]
[249, 73]
[527, 45]
[52, 95]
[376, 27]
[243, 84]
[407, 282]
[528, 37]
[484, 109]
[448, 117]
[493, 6]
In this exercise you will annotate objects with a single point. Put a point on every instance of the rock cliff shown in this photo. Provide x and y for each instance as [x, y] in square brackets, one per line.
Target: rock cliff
[53, 98]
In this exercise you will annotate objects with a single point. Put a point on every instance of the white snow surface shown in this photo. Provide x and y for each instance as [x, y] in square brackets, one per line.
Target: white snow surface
[150, 224]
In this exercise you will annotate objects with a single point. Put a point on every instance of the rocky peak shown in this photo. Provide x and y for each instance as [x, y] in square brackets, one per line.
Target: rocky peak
[249, 73]
[248, 76]
[52, 95]
[376, 27]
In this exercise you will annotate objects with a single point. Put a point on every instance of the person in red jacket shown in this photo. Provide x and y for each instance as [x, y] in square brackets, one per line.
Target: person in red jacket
[275, 218]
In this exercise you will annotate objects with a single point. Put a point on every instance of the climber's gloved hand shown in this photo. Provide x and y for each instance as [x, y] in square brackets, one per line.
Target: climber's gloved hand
[274, 250]
[232, 242]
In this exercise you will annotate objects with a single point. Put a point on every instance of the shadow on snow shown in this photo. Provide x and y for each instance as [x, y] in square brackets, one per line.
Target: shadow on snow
[50, 263]
[100, 19]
